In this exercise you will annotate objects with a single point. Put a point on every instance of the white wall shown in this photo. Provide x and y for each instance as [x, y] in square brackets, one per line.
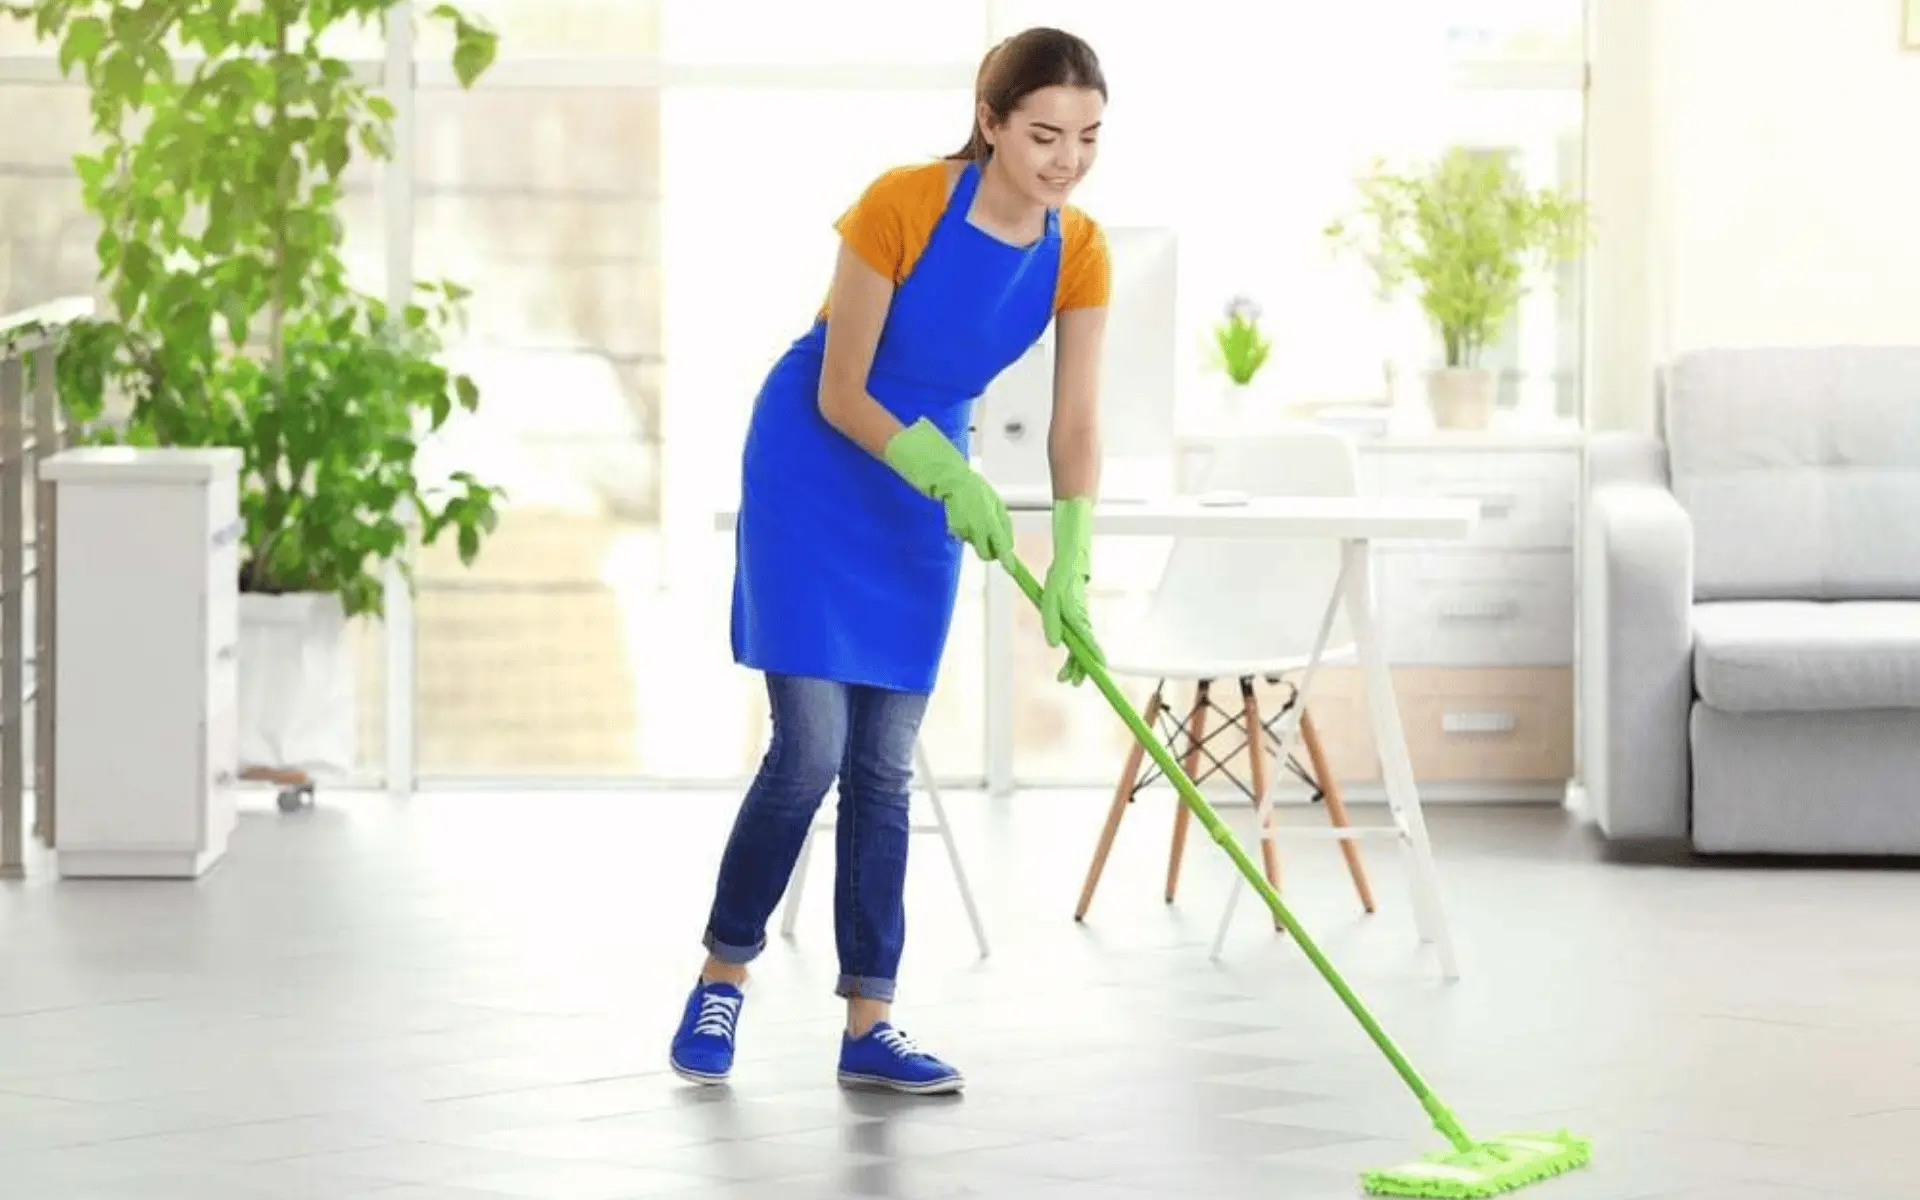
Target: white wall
[1756, 182]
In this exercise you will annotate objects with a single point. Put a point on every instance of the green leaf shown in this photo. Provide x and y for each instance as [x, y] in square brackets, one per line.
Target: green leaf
[474, 45]
[469, 392]
[85, 37]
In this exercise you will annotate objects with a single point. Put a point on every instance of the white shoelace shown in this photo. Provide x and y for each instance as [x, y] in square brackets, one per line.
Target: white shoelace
[899, 1043]
[717, 1015]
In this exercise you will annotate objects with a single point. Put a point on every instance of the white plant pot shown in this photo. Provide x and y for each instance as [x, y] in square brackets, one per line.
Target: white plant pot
[299, 699]
[1461, 397]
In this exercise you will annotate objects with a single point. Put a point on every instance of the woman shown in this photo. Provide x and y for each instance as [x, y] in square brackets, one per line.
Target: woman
[857, 499]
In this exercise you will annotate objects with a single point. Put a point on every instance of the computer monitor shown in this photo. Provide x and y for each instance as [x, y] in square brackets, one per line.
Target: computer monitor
[1138, 372]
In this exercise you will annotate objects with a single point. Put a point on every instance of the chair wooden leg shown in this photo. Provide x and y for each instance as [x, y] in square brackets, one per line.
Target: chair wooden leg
[1196, 731]
[1262, 802]
[1122, 796]
[1336, 807]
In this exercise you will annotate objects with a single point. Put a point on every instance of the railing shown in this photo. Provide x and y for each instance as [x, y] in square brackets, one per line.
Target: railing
[30, 431]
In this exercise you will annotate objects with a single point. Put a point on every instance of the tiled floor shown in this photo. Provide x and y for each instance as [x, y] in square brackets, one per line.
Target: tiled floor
[468, 997]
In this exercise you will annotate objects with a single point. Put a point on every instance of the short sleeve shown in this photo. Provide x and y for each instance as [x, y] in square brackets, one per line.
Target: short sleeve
[1086, 274]
[878, 223]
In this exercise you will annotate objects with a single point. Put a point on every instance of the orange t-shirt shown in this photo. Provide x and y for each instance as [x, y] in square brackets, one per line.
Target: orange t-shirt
[892, 222]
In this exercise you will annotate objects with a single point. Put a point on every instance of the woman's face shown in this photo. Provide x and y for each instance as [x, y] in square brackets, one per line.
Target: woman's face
[1047, 144]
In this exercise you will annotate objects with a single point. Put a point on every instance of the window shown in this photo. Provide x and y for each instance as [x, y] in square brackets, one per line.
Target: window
[552, 28]
[786, 32]
[544, 201]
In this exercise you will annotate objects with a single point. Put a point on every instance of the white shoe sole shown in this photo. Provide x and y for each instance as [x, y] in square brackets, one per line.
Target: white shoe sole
[937, 1087]
[700, 1077]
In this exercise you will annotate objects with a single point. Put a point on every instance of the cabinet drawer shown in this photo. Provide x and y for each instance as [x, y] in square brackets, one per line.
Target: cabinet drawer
[1476, 608]
[1508, 725]
[222, 775]
[223, 597]
[1462, 724]
[1527, 498]
[222, 748]
[223, 678]
[223, 503]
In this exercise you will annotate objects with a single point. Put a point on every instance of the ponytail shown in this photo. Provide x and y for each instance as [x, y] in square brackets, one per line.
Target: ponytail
[977, 148]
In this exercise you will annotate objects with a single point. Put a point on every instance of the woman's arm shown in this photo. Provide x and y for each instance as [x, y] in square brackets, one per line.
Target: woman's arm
[857, 310]
[1073, 436]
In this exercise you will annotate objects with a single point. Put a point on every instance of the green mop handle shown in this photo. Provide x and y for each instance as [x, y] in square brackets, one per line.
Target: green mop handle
[1443, 1119]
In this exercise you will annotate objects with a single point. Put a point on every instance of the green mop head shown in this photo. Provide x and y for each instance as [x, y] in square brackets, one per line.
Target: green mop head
[1500, 1164]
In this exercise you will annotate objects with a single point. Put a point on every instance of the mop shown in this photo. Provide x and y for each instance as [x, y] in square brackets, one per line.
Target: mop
[1467, 1167]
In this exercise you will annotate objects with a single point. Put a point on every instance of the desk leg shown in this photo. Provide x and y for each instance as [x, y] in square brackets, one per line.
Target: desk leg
[1290, 726]
[1396, 764]
[997, 694]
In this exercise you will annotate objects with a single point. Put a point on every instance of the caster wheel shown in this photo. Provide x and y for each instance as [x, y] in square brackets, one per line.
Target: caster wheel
[294, 799]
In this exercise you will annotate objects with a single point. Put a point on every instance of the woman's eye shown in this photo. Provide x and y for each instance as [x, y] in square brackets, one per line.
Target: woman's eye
[1044, 141]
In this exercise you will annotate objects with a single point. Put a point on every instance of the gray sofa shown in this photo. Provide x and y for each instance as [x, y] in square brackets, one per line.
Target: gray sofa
[1751, 607]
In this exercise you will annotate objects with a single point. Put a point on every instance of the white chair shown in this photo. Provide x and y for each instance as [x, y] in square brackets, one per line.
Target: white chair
[1246, 611]
[924, 767]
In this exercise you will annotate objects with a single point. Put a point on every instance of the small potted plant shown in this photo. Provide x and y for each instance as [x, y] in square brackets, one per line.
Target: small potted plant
[1239, 348]
[1465, 233]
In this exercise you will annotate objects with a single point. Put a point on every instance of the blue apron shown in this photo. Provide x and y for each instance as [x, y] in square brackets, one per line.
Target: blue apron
[842, 570]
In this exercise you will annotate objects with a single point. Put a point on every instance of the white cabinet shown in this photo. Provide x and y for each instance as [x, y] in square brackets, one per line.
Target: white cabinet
[147, 627]
[1481, 634]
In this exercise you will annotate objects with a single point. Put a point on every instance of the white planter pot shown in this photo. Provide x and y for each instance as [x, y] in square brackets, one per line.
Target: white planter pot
[1461, 397]
[299, 700]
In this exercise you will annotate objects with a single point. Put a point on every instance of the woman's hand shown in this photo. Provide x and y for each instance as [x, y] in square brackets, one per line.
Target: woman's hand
[975, 512]
[1063, 599]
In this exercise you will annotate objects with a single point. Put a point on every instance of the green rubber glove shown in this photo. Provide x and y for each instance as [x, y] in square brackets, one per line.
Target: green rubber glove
[976, 514]
[1063, 599]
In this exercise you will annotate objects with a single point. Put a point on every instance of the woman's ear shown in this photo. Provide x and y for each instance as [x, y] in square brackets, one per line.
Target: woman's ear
[983, 116]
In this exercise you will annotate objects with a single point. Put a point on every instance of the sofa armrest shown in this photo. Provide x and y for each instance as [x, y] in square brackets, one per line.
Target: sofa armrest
[1637, 618]
[1621, 456]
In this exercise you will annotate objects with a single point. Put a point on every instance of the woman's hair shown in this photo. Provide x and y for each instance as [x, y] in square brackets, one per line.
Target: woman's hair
[1020, 66]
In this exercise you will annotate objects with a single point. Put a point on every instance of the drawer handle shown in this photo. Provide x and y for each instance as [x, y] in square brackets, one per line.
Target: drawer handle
[1491, 503]
[1484, 610]
[1477, 723]
[229, 533]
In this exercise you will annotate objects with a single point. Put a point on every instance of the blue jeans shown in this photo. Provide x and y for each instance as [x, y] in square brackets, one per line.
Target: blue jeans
[864, 737]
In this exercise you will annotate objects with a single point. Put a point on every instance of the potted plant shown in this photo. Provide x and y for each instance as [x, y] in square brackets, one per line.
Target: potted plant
[230, 320]
[1465, 233]
[1239, 349]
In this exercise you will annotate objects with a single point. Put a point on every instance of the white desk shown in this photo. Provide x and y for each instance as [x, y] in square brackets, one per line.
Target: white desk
[1357, 523]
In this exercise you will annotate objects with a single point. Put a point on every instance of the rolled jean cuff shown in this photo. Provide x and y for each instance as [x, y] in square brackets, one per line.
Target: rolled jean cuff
[737, 956]
[865, 987]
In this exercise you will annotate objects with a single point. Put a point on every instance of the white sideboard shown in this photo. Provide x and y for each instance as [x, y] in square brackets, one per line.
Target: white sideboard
[147, 633]
[1482, 636]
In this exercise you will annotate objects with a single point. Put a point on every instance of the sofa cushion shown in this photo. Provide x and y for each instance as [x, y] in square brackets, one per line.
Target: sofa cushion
[1756, 656]
[1800, 468]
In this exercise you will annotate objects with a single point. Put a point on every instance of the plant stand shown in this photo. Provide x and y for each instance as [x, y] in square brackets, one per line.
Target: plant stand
[297, 693]
[296, 787]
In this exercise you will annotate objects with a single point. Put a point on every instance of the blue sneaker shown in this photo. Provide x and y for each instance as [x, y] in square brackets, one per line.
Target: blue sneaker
[886, 1058]
[703, 1045]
